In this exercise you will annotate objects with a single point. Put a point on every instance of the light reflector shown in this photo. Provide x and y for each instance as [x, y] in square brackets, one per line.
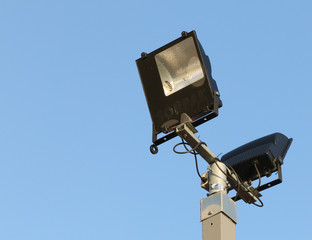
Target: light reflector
[179, 67]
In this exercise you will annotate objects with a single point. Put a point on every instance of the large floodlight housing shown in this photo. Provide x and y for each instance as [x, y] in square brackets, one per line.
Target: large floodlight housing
[267, 153]
[177, 79]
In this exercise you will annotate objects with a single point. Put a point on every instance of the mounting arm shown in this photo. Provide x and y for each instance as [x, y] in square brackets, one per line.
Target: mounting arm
[186, 131]
[216, 179]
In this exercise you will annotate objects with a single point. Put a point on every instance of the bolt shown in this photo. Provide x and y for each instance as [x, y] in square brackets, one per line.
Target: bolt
[143, 54]
[184, 34]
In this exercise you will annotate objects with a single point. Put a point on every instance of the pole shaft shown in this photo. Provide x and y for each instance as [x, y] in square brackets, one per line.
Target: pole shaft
[219, 217]
[218, 227]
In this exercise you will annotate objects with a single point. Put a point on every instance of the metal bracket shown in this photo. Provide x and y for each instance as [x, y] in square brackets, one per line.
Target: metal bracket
[202, 119]
[255, 192]
[186, 131]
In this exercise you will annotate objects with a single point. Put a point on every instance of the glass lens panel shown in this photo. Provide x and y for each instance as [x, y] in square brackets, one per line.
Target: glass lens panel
[179, 67]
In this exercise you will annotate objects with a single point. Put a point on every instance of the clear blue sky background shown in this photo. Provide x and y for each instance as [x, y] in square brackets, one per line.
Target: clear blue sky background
[75, 128]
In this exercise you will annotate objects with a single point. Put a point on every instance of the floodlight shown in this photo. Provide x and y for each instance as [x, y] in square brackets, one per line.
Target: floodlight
[177, 79]
[259, 158]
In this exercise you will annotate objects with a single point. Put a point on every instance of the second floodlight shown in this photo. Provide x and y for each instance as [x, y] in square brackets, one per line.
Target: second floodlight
[259, 158]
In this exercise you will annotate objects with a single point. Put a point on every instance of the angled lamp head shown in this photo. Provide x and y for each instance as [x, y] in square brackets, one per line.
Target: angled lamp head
[267, 153]
[177, 79]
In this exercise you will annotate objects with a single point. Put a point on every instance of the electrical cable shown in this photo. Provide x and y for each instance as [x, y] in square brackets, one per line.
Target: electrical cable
[196, 163]
[226, 174]
[239, 184]
[259, 176]
[237, 180]
[188, 151]
[258, 204]
[192, 151]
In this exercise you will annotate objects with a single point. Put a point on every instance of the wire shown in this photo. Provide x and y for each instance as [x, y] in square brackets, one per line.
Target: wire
[188, 150]
[258, 204]
[237, 180]
[226, 174]
[192, 151]
[239, 184]
[196, 163]
[259, 176]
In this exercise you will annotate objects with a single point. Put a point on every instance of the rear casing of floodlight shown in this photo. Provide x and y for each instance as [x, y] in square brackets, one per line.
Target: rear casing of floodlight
[177, 79]
[267, 153]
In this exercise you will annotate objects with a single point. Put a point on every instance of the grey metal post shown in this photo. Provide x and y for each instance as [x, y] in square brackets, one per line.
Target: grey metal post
[219, 217]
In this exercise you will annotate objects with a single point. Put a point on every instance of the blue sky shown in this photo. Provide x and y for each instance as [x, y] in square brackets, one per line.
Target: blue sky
[75, 128]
